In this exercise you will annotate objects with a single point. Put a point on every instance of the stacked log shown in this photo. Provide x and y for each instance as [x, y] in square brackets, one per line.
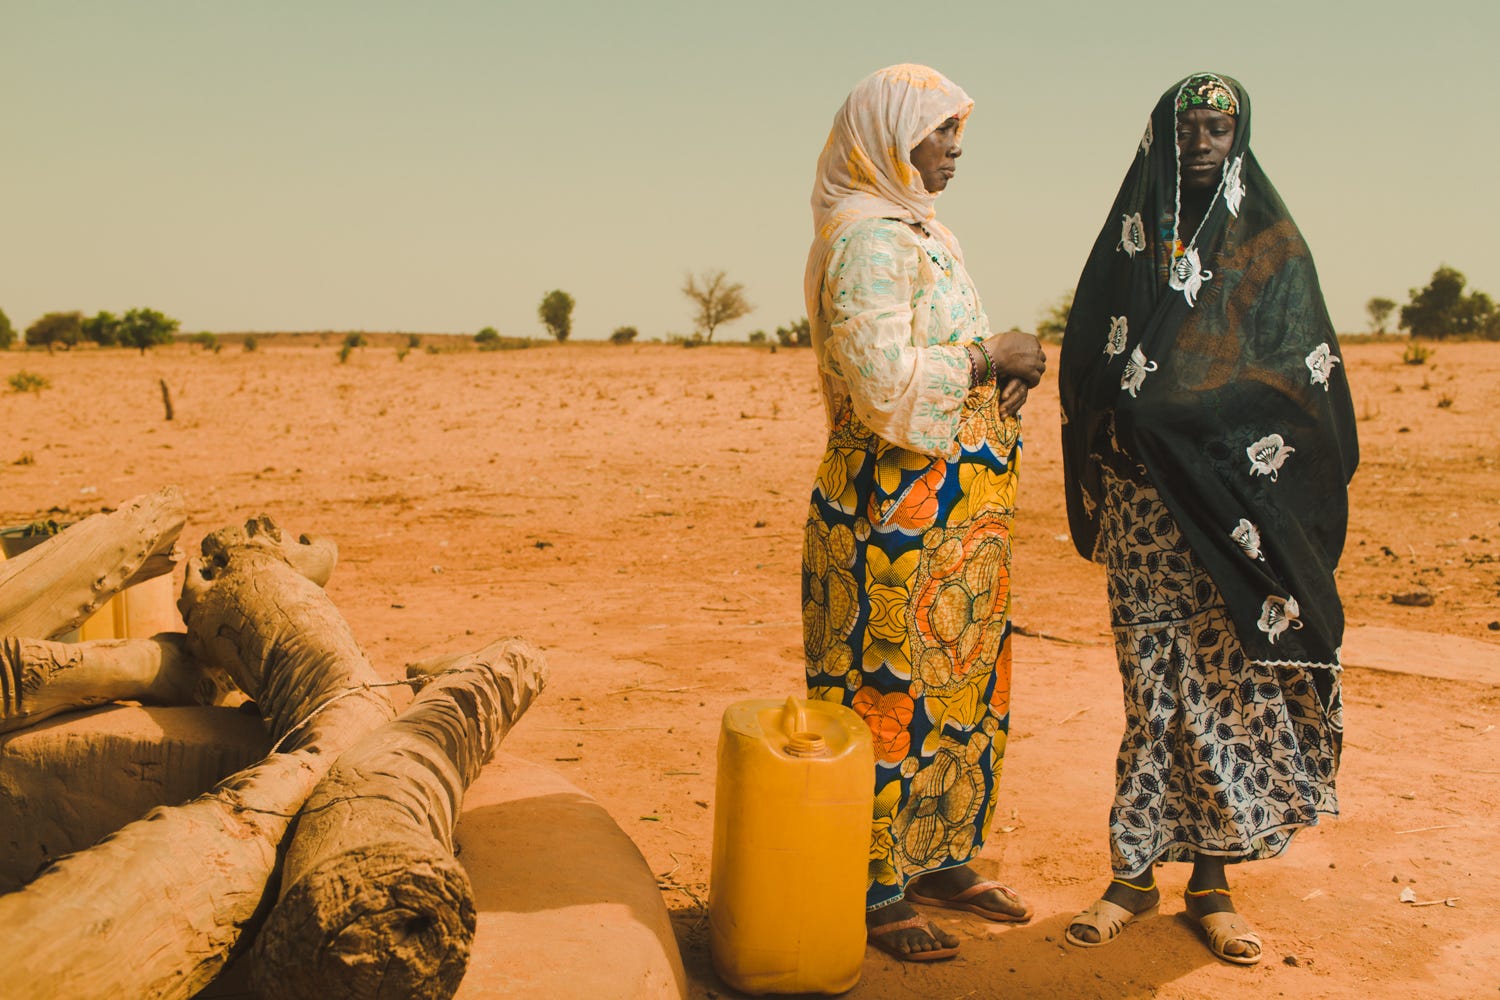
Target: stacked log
[157, 909]
[373, 902]
[40, 678]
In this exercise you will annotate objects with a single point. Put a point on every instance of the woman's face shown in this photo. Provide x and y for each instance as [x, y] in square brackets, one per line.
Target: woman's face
[934, 156]
[1204, 137]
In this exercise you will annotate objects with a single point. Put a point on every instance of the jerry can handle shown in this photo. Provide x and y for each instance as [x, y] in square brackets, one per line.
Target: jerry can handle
[801, 741]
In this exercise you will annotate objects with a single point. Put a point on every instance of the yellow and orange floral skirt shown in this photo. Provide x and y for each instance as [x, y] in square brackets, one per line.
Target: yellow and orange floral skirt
[905, 612]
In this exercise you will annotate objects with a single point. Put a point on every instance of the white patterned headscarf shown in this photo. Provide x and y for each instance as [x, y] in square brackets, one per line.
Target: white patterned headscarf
[865, 170]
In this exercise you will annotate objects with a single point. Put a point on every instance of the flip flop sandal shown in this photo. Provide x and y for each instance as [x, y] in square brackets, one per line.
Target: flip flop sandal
[1222, 928]
[911, 923]
[964, 901]
[1107, 920]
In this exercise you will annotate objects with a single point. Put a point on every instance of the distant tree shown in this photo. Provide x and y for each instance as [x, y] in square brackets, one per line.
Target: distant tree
[103, 329]
[1441, 309]
[624, 335]
[7, 332]
[796, 334]
[206, 340]
[487, 338]
[353, 340]
[716, 300]
[413, 340]
[756, 336]
[145, 328]
[556, 313]
[56, 328]
[1054, 321]
[1380, 313]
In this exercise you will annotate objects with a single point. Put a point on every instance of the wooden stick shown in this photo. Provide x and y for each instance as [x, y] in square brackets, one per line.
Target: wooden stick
[39, 679]
[373, 902]
[54, 587]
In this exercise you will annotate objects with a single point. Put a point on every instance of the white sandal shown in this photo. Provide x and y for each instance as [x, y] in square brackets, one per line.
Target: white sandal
[1107, 920]
[1224, 927]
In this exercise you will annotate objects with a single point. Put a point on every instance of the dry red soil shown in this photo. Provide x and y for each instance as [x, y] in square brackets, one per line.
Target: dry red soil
[638, 512]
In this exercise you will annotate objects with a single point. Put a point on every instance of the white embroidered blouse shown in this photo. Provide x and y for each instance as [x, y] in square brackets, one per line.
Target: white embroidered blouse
[900, 313]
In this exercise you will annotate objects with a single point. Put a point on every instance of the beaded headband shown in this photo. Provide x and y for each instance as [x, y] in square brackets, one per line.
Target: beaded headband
[1207, 91]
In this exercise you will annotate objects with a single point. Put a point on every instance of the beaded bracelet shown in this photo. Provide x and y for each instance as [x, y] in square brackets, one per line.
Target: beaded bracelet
[974, 378]
[989, 362]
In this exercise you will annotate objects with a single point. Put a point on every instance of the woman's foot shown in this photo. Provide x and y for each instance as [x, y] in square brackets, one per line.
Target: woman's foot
[1230, 935]
[961, 889]
[899, 930]
[1121, 903]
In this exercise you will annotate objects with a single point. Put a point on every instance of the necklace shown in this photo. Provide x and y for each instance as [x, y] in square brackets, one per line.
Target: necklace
[1187, 273]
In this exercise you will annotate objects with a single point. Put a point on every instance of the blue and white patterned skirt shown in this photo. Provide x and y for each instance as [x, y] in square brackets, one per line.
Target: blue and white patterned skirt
[1222, 755]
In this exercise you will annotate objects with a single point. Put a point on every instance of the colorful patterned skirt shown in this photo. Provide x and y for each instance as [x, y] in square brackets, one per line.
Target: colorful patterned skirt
[1222, 755]
[905, 611]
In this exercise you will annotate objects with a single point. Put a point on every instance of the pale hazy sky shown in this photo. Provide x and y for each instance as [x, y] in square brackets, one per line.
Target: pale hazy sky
[438, 167]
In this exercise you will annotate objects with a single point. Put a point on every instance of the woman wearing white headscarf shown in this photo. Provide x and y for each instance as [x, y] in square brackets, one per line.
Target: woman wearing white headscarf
[906, 578]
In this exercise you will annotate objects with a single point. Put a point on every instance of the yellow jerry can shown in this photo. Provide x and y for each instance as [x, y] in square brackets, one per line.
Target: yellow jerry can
[793, 806]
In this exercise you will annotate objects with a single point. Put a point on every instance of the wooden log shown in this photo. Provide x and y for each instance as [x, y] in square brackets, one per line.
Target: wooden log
[55, 586]
[311, 556]
[373, 902]
[157, 909]
[71, 781]
[40, 678]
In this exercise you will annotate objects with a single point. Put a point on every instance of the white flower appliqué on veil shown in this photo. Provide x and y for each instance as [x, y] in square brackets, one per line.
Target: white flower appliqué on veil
[1267, 455]
[1247, 537]
[1277, 615]
[1136, 370]
[1188, 275]
[1234, 185]
[1132, 234]
[1320, 362]
[1119, 328]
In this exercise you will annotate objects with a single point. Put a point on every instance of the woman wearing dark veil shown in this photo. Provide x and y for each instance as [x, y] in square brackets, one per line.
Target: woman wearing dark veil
[1208, 443]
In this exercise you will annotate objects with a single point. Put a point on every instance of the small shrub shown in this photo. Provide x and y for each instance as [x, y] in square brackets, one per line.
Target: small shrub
[250, 344]
[41, 529]
[24, 381]
[1416, 354]
[798, 333]
[489, 340]
[353, 340]
[412, 340]
[344, 353]
[1444, 401]
[757, 337]
[26, 459]
[624, 335]
[207, 341]
[402, 352]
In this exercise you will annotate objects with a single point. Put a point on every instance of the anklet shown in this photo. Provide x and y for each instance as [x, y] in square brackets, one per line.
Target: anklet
[1137, 888]
[1200, 893]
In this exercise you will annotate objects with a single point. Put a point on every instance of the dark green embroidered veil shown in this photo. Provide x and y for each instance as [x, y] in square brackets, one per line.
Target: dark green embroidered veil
[1224, 379]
